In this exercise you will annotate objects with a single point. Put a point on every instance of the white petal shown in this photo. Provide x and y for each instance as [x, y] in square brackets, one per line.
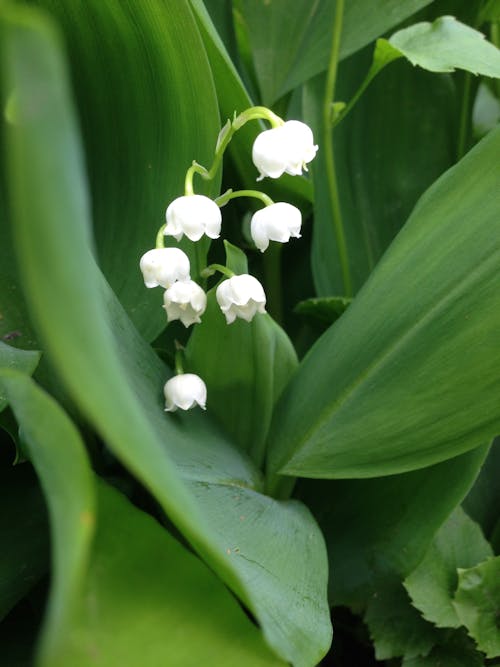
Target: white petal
[185, 391]
[193, 215]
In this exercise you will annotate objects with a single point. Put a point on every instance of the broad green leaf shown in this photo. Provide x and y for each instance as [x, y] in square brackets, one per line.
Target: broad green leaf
[290, 47]
[22, 360]
[458, 544]
[396, 627]
[453, 649]
[326, 309]
[477, 603]
[245, 366]
[24, 556]
[157, 111]
[483, 501]
[116, 379]
[59, 457]
[408, 377]
[446, 45]
[378, 530]
[396, 142]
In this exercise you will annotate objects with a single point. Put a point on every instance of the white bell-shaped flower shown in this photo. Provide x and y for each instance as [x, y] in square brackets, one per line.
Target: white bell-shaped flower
[193, 215]
[284, 149]
[163, 266]
[241, 296]
[185, 391]
[277, 222]
[185, 301]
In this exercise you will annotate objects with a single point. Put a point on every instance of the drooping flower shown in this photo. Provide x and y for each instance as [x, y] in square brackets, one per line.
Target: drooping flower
[185, 391]
[193, 215]
[287, 148]
[241, 296]
[277, 222]
[163, 266]
[185, 301]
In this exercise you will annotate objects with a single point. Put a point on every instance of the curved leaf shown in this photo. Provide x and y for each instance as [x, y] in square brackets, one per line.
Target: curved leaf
[409, 375]
[113, 376]
[147, 107]
[24, 361]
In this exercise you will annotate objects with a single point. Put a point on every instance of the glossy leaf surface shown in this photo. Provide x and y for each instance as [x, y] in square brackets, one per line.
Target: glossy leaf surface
[113, 376]
[398, 387]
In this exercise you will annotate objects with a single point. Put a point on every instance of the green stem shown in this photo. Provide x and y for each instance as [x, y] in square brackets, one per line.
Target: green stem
[210, 270]
[256, 194]
[328, 149]
[464, 122]
[280, 486]
[160, 237]
[179, 368]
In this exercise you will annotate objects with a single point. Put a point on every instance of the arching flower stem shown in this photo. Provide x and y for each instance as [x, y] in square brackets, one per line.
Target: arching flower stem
[224, 198]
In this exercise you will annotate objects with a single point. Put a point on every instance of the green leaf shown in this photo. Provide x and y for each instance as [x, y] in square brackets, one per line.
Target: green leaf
[398, 139]
[477, 603]
[378, 530]
[157, 111]
[236, 259]
[458, 544]
[483, 500]
[446, 45]
[290, 47]
[116, 379]
[326, 309]
[453, 649]
[407, 377]
[396, 627]
[24, 361]
[24, 557]
[59, 457]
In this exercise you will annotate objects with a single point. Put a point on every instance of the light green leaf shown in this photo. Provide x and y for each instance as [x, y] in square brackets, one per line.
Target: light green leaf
[290, 47]
[396, 627]
[378, 530]
[115, 378]
[458, 544]
[477, 603]
[60, 460]
[408, 377]
[147, 108]
[446, 45]
[24, 361]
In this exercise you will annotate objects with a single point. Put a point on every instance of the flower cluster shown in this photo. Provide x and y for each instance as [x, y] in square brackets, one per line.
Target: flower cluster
[285, 148]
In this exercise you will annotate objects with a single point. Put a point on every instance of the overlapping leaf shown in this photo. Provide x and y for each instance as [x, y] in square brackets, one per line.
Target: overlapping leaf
[116, 379]
[409, 375]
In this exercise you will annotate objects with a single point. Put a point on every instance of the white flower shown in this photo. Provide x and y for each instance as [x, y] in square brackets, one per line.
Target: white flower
[277, 222]
[163, 266]
[185, 301]
[287, 148]
[241, 296]
[185, 391]
[193, 215]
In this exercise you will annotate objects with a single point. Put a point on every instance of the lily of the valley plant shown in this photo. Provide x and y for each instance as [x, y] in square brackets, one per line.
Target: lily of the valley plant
[250, 315]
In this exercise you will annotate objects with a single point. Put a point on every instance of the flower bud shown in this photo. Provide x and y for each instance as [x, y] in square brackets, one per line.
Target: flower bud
[185, 301]
[163, 266]
[185, 391]
[277, 222]
[193, 215]
[284, 149]
[241, 296]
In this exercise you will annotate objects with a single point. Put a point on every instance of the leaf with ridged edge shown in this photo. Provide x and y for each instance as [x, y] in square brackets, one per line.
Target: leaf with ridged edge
[408, 377]
[459, 543]
[157, 111]
[477, 603]
[115, 378]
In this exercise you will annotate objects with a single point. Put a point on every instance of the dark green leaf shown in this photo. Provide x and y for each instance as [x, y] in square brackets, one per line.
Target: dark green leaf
[408, 377]
[114, 377]
[379, 529]
[477, 603]
[396, 627]
[326, 309]
[458, 544]
[21, 360]
[147, 107]
[454, 649]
